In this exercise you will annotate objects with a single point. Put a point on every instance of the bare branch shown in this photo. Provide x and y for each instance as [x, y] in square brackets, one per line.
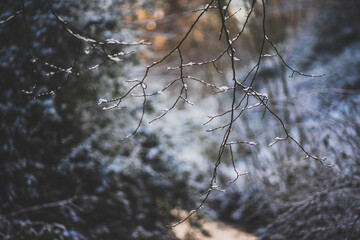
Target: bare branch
[287, 65]
[42, 206]
[7, 19]
[87, 39]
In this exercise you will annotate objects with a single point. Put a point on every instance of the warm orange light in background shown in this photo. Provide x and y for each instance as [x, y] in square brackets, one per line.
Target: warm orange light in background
[159, 40]
[216, 229]
[141, 14]
[142, 55]
[159, 14]
[198, 35]
[151, 25]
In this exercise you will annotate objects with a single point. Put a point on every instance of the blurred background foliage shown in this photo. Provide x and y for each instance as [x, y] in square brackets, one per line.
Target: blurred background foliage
[66, 174]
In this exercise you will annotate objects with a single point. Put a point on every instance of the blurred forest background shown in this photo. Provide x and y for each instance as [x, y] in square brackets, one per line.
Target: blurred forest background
[65, 172]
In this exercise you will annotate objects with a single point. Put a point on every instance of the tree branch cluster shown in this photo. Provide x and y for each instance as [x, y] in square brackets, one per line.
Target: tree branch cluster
[240, 90]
